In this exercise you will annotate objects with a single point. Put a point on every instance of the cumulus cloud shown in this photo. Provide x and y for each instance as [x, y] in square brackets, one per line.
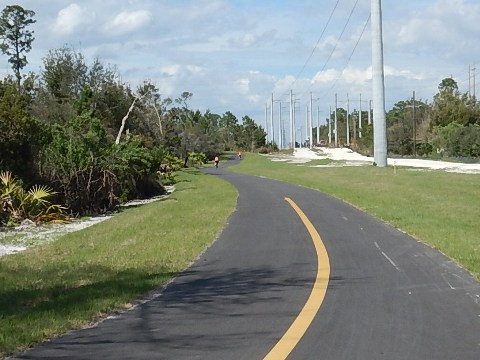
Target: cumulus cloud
[252, 39]
[243, 85]
[126, 22]
[393, 72]
[446, 22]
[70, 18]
[181, 70]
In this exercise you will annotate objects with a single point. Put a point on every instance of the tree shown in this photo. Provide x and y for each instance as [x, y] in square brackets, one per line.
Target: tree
[227, 124]
[18, 131]
[16, 39]
[451, 106]
[249, 135]
[400, 126]
[65, 73]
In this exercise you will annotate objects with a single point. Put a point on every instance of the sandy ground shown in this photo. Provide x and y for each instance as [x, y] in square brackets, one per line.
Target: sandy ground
[351, 158]
[25, 236]
[345, 157]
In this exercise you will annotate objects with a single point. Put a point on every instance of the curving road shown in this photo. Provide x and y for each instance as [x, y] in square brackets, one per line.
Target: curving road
[388, 297]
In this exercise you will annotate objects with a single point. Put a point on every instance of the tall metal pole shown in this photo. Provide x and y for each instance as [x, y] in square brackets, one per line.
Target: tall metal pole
[271, 121]
[336, 128]
[307, 126]
[369, 112]
[318, 125]
[292, 144]
[266, 119]
[348, 120]
[360, 119]
[469, 81]
[474, 85]
[379, 119]
[414, 129]
[280, 145]
[311, 121]
[294, 125]
[330, 126]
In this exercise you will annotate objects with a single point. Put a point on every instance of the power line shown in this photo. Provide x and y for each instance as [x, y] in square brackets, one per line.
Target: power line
[341, 34]
[316, 45]
[351, 54]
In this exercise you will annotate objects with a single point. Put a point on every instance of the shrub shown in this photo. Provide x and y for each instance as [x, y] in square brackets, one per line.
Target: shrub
[16, 204]
[94, 175]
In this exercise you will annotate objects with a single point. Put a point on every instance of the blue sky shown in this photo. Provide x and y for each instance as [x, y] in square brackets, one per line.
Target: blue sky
[232, 55]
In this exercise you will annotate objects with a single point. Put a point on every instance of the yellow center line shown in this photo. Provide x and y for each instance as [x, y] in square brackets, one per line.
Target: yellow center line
[298, 328]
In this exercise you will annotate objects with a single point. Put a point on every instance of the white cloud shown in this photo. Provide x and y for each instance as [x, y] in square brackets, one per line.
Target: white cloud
[70, 18]
[243, 85]
[450, 23]
[126, 22]
[208, 47]
[391, 71]
[170, 70]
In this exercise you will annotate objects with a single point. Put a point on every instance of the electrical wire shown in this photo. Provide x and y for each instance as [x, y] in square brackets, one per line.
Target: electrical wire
[351, 54]
[316, 45]
[339, 38]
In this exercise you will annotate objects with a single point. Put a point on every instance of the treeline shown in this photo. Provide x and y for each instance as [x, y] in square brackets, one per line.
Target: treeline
[95, 141]
[76, 131]
[448, 127]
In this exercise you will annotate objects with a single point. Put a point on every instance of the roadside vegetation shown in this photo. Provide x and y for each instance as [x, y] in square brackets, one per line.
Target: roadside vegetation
[93, 142]
[83, 276]
[438, 208]
[75, 140]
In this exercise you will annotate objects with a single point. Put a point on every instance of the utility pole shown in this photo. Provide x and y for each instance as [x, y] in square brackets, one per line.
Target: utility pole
[414, 129]
[311, 122]
[336, 128]
[379, 126]
[330, 126]
[292, 144]
[474, 95]
[307, 125]
[360, 118]
[354, 124]
[280, 127]
[318, 125]
[271, 121]
[469, 81]
[348, 120]
[369, 112]
[266, 119]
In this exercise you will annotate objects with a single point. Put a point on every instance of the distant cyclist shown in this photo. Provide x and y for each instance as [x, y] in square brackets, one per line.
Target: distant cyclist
[216, 160]
[240, 155]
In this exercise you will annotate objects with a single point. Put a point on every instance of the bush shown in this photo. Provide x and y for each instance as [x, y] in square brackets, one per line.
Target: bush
[16, 204]
[196, 159]
[94, 175]
[456, 140]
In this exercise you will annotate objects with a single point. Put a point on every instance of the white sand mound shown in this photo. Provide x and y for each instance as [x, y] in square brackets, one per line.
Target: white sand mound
[345, 154]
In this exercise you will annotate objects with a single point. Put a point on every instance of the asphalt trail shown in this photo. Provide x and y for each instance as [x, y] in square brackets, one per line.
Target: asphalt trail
[389, 296]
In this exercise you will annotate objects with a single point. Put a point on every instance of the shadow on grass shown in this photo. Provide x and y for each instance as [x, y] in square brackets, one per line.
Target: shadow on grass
[203, 311]
[49, 290]
[36, 304]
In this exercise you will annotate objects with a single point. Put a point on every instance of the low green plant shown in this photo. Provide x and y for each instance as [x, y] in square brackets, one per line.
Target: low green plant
[17, 204]
[85, 275]
[197, 159]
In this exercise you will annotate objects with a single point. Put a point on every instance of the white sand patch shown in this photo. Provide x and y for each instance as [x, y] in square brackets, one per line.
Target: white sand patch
[24, 236]
[11, 249]
[354, 159]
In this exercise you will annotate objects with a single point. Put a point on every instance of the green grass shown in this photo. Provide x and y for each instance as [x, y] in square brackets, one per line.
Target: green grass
[441, 209]
[48, 290]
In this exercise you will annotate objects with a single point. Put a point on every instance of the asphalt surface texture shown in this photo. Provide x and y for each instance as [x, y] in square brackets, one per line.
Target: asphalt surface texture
[389, 296]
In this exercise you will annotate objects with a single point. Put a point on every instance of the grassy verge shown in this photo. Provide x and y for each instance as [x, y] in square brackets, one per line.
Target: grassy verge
[441, 209]
[48, 290]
